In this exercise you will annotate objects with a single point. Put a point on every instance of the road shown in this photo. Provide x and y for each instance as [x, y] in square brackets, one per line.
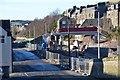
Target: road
[28, 66]
[28, 62]
[22, 55]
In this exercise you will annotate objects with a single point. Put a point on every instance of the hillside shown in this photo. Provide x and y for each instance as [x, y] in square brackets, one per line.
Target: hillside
[40, 26]
[22, 21]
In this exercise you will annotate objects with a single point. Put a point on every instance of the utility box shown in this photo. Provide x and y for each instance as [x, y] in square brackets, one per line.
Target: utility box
[5, 48]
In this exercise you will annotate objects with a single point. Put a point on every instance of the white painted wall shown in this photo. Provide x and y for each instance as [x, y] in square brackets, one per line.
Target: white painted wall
[5, 50]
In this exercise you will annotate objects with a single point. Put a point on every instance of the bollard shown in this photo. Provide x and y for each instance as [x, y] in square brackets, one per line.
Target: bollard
[77, 64]
[72, 63]
[58, 58]
[47, 53]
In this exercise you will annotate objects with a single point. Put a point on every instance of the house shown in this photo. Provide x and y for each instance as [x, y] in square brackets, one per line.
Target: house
[91, 12]
[5, 47]
[114, 1]
[64, 22]
[17, 27]
[112, 13]
[86, 12]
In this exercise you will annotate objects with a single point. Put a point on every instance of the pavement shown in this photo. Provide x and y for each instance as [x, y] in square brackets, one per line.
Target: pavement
[33, 65]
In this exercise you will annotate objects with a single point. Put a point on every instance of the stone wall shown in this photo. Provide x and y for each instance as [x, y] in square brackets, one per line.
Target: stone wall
[104, 68]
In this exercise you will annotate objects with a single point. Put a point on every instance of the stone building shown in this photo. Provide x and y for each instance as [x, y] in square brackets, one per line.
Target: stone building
[112, 13]
[114, 1]
[91, 12]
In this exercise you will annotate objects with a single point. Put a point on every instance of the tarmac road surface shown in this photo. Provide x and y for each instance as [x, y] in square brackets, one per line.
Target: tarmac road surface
[28, 66]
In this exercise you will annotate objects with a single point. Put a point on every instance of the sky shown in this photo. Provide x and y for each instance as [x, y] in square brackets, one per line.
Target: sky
[31, 9]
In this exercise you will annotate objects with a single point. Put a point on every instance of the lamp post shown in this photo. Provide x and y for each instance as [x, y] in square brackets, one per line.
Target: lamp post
[69, 42]
[98, 35]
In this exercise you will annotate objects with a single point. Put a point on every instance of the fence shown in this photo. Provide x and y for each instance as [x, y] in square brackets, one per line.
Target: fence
[52, 56]
[58, 58]
[94, 67]
[64, 61]
[77, 64]
[80, 65]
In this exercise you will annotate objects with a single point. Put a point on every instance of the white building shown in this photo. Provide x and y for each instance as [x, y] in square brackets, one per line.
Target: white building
[5, 47]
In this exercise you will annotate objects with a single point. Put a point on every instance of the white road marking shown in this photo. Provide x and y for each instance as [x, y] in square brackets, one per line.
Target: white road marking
[26, 74]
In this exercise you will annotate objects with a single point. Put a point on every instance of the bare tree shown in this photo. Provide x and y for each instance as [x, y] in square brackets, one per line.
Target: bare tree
[55, 12]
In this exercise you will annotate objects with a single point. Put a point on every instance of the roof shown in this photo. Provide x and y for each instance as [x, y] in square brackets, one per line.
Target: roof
[92, 22]
[5, 24]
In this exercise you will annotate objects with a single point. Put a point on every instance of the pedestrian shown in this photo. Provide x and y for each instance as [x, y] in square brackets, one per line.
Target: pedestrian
[84, 47]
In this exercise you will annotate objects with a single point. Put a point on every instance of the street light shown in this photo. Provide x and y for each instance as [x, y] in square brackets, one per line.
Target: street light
[98, 35]
[69, 42]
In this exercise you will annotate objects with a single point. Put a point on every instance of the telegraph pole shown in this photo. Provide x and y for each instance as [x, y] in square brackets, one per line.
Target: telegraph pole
[44, 27]
[29, 35]
[34, 37]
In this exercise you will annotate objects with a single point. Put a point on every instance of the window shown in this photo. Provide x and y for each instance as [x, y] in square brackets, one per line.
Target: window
[2, 39]
[63, 22]
[89, 15]
[112, 6]
[117, 6]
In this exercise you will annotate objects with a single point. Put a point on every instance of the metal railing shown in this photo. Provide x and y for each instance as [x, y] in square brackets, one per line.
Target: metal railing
[77, 64]
[64, 61]
[80, 65]
[58, 59]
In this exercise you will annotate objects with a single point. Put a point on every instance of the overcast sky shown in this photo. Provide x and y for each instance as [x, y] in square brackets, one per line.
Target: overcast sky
[31, 9]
